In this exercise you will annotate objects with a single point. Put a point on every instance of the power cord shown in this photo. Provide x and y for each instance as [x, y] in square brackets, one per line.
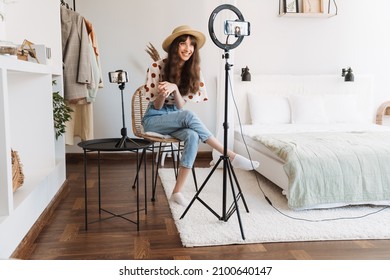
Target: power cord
[262, 191]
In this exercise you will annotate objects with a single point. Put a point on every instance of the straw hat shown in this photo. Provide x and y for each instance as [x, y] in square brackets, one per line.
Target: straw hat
[181, 30]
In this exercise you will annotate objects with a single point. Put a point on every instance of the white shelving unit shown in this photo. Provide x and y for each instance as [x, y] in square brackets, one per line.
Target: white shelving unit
[307, 15]
[329, 10]
[26, 121]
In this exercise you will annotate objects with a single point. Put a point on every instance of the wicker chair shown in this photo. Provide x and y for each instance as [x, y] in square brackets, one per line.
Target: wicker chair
[163, 143]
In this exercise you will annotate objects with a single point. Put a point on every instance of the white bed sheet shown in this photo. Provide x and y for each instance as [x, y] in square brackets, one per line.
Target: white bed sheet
[271, 166]
[250, 131]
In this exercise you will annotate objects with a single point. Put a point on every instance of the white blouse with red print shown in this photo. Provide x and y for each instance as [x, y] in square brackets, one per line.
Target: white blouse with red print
[155, 75]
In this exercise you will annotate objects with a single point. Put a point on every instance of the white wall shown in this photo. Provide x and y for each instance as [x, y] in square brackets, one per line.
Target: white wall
[356, 37]
[124, 28]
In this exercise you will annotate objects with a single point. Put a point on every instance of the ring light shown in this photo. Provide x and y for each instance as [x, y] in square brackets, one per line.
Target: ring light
[214, 38]
[238, 28]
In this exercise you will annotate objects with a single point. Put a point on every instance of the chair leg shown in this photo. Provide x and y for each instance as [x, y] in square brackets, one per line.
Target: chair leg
[163, 155]
[156, 159]
[154, 183]
[176, 152]
[175, 163]
[169, 152]
[138, 168]
[178, 149]
[154, 175]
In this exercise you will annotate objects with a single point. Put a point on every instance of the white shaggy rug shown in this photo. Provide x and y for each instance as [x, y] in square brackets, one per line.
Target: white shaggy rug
[199, 227]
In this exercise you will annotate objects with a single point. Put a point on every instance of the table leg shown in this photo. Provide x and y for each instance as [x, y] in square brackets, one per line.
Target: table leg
[99, 189]
[145, 184]
[85, 191]
[137, 191]
[138, 169]
[155, 174]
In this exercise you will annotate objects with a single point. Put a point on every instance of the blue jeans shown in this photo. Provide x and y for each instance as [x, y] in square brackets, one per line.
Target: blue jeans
[181, 124]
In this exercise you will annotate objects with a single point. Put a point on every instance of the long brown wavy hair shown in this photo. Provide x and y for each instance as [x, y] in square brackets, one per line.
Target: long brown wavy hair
[187, 78]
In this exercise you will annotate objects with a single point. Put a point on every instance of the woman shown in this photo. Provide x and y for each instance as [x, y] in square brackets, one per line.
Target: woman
[172, 82]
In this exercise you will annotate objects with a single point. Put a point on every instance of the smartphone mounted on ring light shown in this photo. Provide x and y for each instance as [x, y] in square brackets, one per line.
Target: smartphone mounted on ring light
[237, 28]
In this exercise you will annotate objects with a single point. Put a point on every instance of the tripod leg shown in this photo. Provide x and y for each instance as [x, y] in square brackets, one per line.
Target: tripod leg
[121, 143]
[238, 187]
[230, 171]
[200, 189]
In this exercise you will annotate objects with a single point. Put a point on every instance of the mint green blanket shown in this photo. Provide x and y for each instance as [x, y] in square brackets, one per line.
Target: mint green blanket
[337, 167]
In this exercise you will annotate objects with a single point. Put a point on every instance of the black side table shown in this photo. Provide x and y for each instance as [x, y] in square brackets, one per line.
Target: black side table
[109, 145]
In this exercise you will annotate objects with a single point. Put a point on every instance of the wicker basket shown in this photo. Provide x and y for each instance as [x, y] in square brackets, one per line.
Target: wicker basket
[17, 172]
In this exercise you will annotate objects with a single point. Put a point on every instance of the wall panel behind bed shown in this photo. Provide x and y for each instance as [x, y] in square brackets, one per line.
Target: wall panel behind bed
[286, 85]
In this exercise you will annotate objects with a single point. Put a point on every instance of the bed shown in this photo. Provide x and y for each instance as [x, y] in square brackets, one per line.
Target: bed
[315, 138]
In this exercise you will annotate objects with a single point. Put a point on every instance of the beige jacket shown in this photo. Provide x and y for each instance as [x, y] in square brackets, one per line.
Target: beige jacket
[76, 57]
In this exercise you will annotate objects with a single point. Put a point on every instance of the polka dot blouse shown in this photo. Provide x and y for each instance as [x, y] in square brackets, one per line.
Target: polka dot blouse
[155, 75]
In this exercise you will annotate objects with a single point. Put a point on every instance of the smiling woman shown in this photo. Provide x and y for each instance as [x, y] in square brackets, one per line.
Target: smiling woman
[170, 84]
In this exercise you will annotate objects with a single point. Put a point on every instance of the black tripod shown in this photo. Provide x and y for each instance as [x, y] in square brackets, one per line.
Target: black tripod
[122, 142]
[227, 170]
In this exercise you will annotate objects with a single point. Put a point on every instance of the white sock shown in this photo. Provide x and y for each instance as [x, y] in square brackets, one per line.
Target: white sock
[179, 199]
[244, 163]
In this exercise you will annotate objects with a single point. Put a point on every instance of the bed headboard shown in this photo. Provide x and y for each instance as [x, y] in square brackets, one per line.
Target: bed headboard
[309, 85]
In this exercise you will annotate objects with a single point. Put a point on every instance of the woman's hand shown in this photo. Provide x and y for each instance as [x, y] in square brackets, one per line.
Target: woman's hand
[166, 88]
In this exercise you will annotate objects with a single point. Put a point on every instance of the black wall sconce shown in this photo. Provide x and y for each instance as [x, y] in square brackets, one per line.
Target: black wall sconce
[347, 74]
[245, 75]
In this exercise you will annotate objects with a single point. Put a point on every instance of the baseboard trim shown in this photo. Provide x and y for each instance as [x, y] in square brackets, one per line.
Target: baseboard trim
[25, 247]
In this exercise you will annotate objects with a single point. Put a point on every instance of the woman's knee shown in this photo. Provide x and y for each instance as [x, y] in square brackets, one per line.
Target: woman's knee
[189, 115]
[191, 137]
[191, 144]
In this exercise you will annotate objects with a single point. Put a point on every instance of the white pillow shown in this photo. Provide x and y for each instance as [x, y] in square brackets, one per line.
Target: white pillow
[269, 109]
[342, 108]
[307, 109]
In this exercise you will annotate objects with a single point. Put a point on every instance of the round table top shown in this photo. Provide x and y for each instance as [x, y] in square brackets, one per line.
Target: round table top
[109, 144]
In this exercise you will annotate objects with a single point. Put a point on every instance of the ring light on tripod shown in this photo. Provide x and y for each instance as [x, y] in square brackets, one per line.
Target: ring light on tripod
[239, 27]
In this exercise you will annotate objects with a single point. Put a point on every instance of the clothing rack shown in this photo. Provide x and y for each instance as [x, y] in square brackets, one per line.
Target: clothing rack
[63, 3]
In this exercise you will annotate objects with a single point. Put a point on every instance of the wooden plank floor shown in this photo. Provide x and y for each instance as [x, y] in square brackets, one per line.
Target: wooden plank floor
[65, 238]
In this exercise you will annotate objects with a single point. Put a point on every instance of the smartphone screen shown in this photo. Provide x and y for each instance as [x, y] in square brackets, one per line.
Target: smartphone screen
[237, 28]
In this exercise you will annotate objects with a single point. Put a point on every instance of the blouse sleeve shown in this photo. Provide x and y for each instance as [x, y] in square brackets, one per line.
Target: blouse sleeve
[199, 96]
[152, 79]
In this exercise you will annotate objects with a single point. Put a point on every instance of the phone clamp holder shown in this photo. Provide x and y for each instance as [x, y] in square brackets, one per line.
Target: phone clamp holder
[120, 77]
